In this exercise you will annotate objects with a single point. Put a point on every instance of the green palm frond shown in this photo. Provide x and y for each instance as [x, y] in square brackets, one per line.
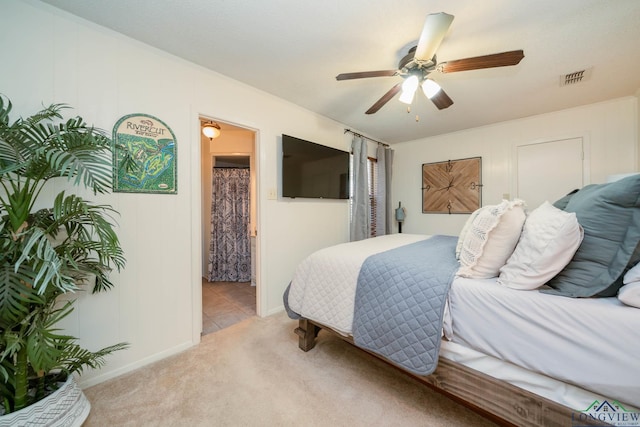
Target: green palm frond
[46, 252]
[43, 259]
[10, 158]
[127, 161]
[7, 385]
[75, 359]
[5, 110]
[48, 113]
[19, 202]
[73, 153]
[15, 295]
[48, 350]
[19, 147]
[91, 237]
[39, 149]
[44, 344]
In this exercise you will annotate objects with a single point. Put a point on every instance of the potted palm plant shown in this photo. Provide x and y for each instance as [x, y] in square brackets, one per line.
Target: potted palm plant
[49, 246]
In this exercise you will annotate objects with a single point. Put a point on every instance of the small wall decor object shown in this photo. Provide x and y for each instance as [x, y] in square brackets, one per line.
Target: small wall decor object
[144, 156]
[452, 186]
[400, 216]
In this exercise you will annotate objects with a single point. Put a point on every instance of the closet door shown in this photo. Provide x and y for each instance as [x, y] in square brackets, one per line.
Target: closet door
[549, 170]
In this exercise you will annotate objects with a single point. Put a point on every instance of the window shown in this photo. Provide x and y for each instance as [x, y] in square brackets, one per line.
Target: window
[372, 184]
[372, 173]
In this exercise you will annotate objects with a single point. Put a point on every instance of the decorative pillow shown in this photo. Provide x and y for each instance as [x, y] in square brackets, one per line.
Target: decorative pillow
[549, 239]
[630, 294]
[491, 239]
[464, 231]
[632, 275]
[610, 216]
[562, 202]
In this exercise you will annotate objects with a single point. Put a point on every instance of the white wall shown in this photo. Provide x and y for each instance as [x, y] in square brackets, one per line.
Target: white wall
[610, 130]
[638, 124]
[50, 56]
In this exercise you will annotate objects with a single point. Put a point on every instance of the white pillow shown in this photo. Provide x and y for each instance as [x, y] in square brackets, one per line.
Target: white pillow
[464, 231]
[549, 240]
[491, 239]
[633, 275]
[630, 294]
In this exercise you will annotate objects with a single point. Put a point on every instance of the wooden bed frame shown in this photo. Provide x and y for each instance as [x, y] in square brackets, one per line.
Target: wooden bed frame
[497, 400]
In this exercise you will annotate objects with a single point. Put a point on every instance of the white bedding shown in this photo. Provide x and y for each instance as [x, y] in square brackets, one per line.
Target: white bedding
[560, 392]
[323, 288]
[590, 343]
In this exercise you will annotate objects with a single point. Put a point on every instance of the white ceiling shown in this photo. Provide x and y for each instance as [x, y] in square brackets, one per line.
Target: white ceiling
[295, 48]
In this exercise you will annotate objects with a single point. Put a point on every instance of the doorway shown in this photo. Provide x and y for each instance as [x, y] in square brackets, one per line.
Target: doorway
[228, 296]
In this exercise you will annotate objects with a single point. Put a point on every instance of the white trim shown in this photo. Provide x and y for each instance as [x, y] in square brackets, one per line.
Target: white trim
[135, 365]
[261, 294]
[196, 232]
[196, 221]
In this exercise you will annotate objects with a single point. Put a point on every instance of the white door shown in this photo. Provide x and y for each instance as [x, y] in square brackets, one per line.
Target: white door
[549, 170]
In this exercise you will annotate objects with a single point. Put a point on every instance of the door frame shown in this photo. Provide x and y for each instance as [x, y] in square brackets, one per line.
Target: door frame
[196, 220]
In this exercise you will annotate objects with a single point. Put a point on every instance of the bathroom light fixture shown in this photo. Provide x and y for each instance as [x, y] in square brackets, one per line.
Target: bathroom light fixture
[211, 130]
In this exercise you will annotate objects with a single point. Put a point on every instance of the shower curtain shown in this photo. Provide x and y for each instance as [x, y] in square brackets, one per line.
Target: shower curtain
[229, 248]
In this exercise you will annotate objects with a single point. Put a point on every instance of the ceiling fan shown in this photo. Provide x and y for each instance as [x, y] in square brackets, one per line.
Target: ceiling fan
[421, 61]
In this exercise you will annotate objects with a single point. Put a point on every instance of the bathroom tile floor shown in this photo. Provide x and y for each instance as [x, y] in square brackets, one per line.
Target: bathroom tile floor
[226, 303]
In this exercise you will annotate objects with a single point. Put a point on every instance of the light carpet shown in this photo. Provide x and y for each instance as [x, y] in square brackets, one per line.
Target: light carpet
[253, 374]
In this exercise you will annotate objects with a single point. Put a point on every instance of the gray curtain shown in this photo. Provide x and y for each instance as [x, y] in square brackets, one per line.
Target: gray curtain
[230, 248]
[359, 227]
[384, 217]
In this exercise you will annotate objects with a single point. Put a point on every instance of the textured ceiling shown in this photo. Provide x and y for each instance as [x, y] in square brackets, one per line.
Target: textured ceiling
[294, 49]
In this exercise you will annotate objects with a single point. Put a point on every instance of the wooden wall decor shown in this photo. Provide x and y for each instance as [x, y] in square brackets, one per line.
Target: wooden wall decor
[452, 186]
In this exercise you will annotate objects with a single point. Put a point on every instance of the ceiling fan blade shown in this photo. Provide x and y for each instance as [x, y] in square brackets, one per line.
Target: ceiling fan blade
[442, 100]
[385, 98]
[365, 74]
[503, 59]
[434, 30]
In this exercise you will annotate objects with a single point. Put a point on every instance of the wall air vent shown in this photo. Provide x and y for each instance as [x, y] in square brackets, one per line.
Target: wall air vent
[575, 77]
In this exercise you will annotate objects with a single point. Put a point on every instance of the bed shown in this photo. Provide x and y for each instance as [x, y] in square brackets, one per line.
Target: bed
[532, 319]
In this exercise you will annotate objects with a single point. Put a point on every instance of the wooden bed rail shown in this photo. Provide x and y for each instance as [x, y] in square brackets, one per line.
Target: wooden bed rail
[497, 400]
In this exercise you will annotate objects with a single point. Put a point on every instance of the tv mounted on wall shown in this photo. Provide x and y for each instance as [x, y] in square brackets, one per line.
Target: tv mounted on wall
[312, 170]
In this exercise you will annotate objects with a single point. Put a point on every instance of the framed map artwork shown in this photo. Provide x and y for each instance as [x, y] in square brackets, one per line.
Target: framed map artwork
[144, 156]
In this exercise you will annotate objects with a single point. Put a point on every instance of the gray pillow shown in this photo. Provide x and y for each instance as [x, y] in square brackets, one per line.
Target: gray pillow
[610, 216]
[564, 201]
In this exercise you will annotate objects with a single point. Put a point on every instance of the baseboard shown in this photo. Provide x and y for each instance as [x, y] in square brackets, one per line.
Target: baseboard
[275, 310]
[86, 383]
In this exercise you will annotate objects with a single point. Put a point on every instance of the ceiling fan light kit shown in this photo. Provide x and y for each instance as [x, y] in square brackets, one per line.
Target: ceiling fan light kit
[430, 88]
[421, 61]
[409, 87]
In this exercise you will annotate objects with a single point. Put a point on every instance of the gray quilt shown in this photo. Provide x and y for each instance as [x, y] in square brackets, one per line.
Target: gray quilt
[400, 301]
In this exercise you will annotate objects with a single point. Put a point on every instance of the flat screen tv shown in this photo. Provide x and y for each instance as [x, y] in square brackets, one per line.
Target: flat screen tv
[311, 170]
